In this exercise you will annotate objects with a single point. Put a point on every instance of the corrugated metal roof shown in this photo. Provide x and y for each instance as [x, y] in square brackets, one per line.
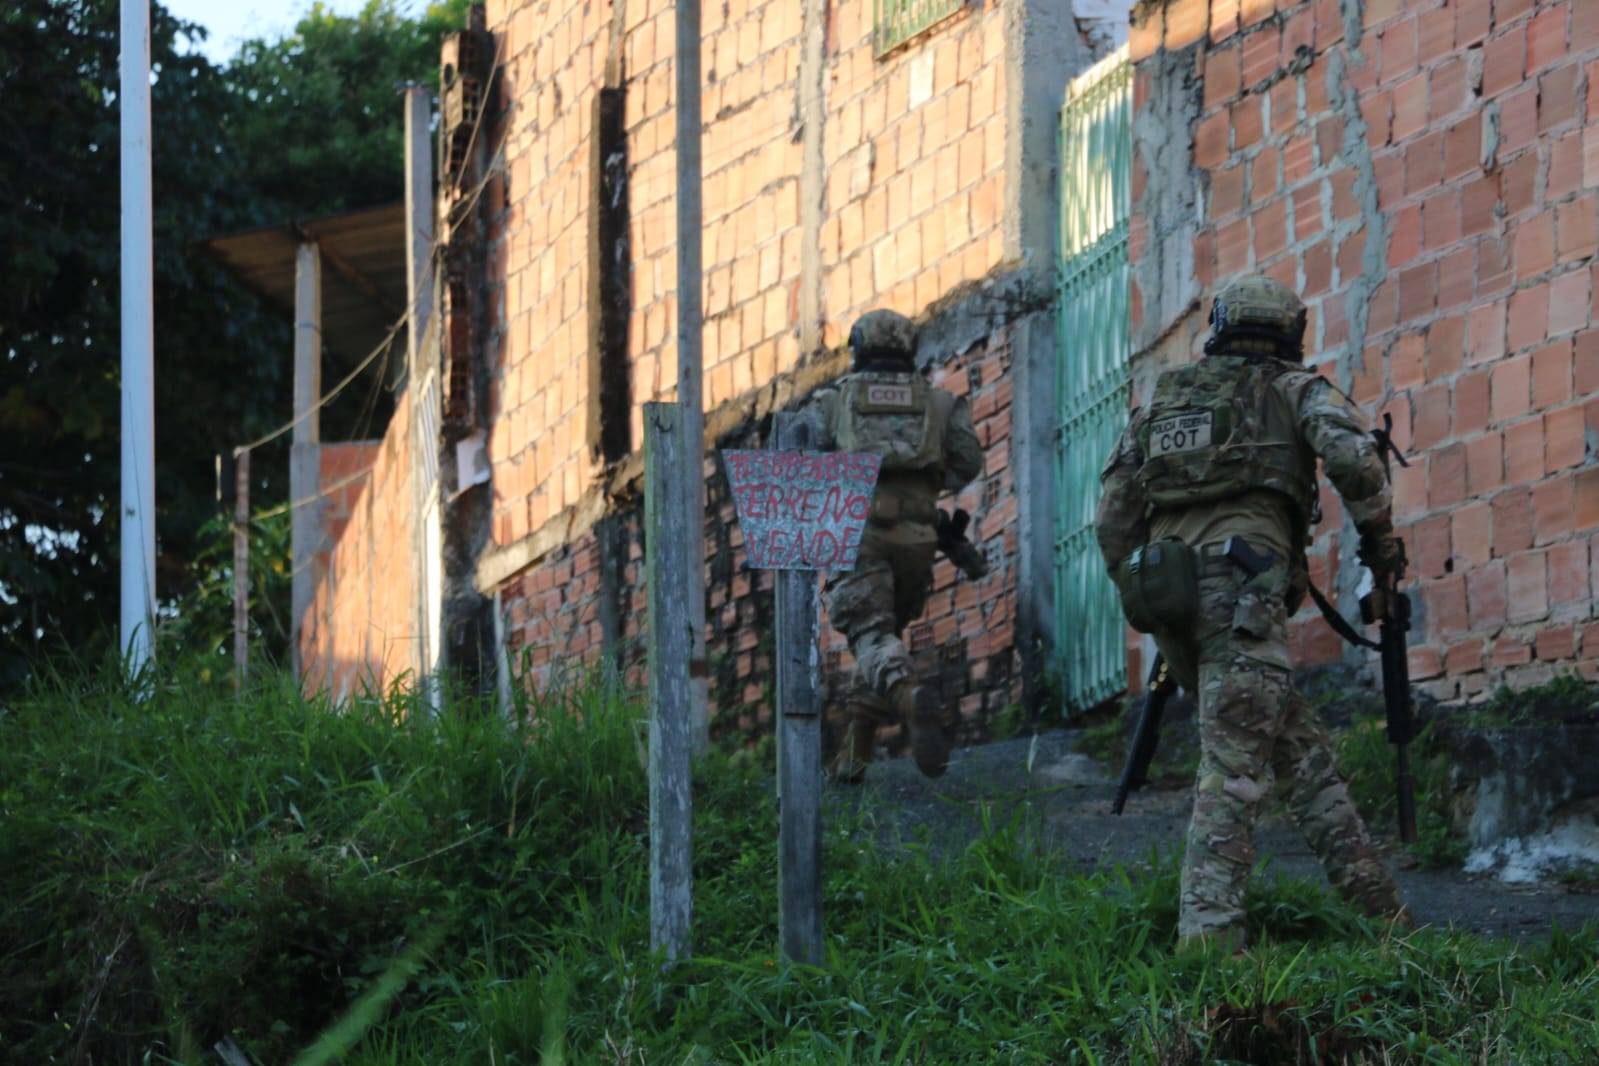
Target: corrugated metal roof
[363, 271]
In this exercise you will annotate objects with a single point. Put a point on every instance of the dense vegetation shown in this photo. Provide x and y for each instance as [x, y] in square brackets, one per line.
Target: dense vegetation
[290, 128]
[398, 889]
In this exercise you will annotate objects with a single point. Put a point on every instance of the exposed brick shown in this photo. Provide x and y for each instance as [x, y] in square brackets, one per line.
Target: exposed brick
[1576, 233]
[1527, 578]
[1486, 333]
[1473, 20]
[1227, 192]
[1565, 438]
[1271, 228]
[1429, 547]
[1568, 574]
[1587, 499]
[1555, 643]
[1518, 184]
[1565, 166]
[1584, 28]
[1509, 651]
[1546, 37]
[1446, 476]
[1404, 236]
[1222, 76]
[1210, 141]
[1504, 62]
[1265, 175]
[1518, 121]
[1558, 100]
[1479, 202]
[1471, 534]
[1466, 657]
[1487, 595]
[1249, 124]
[1398, 49]
[1512, 521]
[1446, 603]
[1494, 274]
[1418, 292]
[1485, 464]
[1586, 362]
[1445, 347]
[1524, 452]
[1535, 246]
[1430, 416]
[1551, 375]
[1261, 50]
[1568, 303]
[1552, 508]
[1529, 317]
[1410, 107]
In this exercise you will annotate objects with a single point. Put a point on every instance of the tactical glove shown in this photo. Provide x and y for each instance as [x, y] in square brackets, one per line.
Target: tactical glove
[1382, 553]
[952, 542]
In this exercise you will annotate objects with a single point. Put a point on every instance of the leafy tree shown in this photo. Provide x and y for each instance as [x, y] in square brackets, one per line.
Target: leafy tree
[289, 129]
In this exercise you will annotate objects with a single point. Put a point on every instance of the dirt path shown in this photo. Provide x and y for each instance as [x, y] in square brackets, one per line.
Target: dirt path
[1066, 799]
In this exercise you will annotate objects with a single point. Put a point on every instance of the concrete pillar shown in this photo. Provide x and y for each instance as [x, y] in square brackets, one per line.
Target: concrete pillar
[305, 451]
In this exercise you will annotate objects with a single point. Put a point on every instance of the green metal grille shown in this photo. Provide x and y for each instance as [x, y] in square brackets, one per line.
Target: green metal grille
[897, 21]
[1094, 344]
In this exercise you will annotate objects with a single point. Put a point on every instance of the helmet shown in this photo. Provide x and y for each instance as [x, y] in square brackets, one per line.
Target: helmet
[881, 337]
[1258, 314]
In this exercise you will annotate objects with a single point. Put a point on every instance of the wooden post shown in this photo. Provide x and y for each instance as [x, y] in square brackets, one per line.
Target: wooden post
[305, 453]
[241, 566]
[799, 748]
[690, 336]
[670, 625]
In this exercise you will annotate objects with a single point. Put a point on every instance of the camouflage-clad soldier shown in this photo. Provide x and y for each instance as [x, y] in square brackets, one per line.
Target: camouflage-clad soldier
[928, 446]
[1219, 470]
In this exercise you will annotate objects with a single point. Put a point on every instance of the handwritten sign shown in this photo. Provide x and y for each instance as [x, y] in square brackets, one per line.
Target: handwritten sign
[802, 510]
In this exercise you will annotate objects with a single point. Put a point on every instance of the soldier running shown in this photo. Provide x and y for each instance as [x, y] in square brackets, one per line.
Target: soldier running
[1219, 471]
[928, 447]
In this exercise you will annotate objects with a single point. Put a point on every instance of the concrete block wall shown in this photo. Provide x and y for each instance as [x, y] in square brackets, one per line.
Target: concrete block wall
[1424, 173]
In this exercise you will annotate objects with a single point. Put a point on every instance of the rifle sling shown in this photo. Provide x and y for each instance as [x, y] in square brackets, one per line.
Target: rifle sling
[1336, 620]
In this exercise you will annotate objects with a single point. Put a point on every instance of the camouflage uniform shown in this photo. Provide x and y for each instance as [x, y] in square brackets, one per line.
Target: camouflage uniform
[929, 447]
[1247, 468]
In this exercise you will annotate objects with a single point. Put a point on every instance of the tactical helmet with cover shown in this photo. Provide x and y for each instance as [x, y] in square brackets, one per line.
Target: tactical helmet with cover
[1257, 316]
[883, 339]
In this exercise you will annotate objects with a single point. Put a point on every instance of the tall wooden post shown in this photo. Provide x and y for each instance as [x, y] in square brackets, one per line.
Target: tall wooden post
[241, 567]
[799, 748]
[690, 336]
[305, 453]
[670, 625]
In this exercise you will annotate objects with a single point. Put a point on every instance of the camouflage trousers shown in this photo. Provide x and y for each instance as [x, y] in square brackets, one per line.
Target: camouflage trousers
[871, 605]
[1257, 734]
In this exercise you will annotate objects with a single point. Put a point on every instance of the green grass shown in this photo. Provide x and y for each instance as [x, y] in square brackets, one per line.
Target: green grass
[374, 887]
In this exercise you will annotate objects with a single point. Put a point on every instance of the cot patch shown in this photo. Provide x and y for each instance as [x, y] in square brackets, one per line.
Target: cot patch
[890, 397]
[1184, 432]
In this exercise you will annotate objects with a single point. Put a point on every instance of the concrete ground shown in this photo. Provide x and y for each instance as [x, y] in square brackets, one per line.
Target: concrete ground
[1066, 798]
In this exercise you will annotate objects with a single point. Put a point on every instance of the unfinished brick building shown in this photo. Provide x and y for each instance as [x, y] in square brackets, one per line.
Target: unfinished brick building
[1423, 171]
[1053, 211]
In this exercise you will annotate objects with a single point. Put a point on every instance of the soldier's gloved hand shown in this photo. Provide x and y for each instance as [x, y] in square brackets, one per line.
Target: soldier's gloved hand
[1382, 553]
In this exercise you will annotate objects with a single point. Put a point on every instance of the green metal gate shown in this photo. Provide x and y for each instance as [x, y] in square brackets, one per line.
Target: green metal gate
[1096, 165]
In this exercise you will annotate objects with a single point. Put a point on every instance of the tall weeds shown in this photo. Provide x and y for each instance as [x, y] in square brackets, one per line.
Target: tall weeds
[370, 884]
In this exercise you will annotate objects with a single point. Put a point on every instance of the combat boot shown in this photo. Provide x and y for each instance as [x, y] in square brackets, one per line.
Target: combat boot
[918, 706]
[849, 765]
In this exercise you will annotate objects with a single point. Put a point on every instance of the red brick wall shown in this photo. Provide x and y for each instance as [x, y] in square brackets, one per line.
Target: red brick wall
[913, 152]
[361, 626]
[1480, 120]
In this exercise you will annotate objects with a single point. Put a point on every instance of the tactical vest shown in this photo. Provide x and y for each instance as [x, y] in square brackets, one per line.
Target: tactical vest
[896, 416]
[1218, 428]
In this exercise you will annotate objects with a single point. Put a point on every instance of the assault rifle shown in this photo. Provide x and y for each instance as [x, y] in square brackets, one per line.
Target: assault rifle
[956, 548]
[1156, 692]
[1388, 607]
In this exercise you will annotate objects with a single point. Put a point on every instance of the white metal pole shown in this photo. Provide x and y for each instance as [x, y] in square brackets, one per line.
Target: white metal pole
[138, 342]
[690, 372]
